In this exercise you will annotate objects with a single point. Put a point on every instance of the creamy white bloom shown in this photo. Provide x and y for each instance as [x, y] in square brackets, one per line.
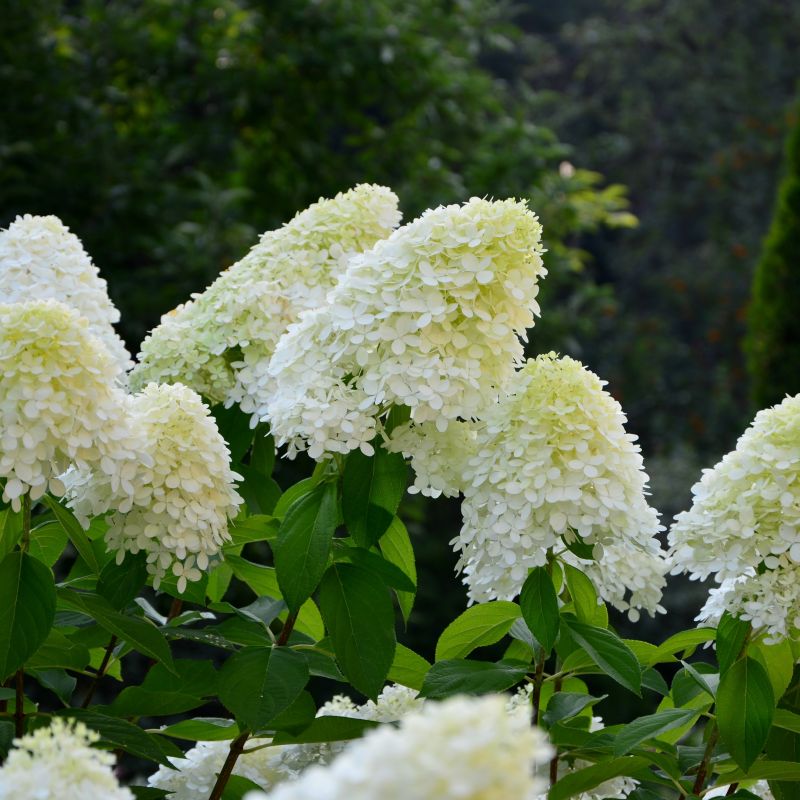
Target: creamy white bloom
[769, 601]
[41, 259]
[552, 462]
[183, 495]
[746, 510]
[430, 318]
[437, 456]
[464, 748]
[59, 401]
[194, 775]
[59, 763]
[220, 343]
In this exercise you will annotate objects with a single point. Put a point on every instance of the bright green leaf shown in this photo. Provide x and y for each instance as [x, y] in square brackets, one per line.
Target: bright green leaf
[479, 625]
[462, 676]
[539, 605]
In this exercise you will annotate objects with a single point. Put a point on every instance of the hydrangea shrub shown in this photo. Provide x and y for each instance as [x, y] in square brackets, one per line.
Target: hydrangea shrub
[170, 616]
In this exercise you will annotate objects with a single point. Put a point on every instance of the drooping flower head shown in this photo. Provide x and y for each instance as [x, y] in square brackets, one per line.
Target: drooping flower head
[745, 514]
[59, 401]
[552, 462]
[430, 318]
[220, 343]
[183, 496]
[41, 259]
[464, 748]
[195, 775]
[59, 763]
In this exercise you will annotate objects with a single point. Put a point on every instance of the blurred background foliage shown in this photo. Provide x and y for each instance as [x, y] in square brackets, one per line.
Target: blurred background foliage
[169, 133]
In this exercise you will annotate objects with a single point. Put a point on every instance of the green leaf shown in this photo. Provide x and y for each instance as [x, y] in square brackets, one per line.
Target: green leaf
[292, 494]
[309, 621]
[565, 705]
[57, 681]
[767, 771]
[396, 547]
[457, 676]
[202, 729]
[238, 787]
[372, 488]
[745, 707]
[120, 583]
[374, 562]
[47, 542]
[778, 661]
[120, 733]
[609, 652]
[261, 494]
[327, 729]
[408, 668]
[588, 609]
[262, 580]
[297, 717]
[580, 781]
[304, 544]
[234, 427]
[731, 635]
[262, 456]
[10, 531]
[219, 579]
[258, 683]
[479, 625]
[359, 617]
[59, 651]
[787, 720]
[75, 533]
[138, 633]
[684, 643]
[27, 609]
[255, 528]
[539, 604]
[649, 727]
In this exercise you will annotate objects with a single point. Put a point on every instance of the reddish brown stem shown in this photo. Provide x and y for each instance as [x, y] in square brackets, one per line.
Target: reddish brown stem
[100, 672]
[237, 746]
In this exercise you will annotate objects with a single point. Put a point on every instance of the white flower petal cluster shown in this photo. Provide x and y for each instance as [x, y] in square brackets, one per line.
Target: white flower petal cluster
[183, 494]
[59, 763]
[464, 748]
[769, 601]
[220, 343]
[552, 461]
[430, 318]
[629, 578]
[437, 456]
[194, 775]
[40, 258]
[746, 510]
[60, 404]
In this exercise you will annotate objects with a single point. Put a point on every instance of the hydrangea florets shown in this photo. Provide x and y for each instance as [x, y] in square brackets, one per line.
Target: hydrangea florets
[745, 514]
[220, 343]
[40, 258]
[464, 748]
[183, 496]
[552, 463]
[59, 401]
[59, 763]
[430, 318]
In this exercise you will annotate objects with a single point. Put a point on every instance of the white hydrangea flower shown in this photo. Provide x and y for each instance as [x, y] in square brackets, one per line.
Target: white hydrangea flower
[464, 748]
[552, 461]
[59, 763]
[430, 318]
[746, 510]
[220, 343]
[769, 601]
[59, 401]
[41, 259]
[195, 775]
[437, 456]
[183, 496]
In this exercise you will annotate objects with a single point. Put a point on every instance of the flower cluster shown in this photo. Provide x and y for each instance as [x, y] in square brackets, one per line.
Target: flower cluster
[464, 748]
[744, 525]
[430, 318]
[552, 463]
[59, 763]
[59, 401]
[40, 258]
[194, 775]
[220, 343]
[183, 494]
